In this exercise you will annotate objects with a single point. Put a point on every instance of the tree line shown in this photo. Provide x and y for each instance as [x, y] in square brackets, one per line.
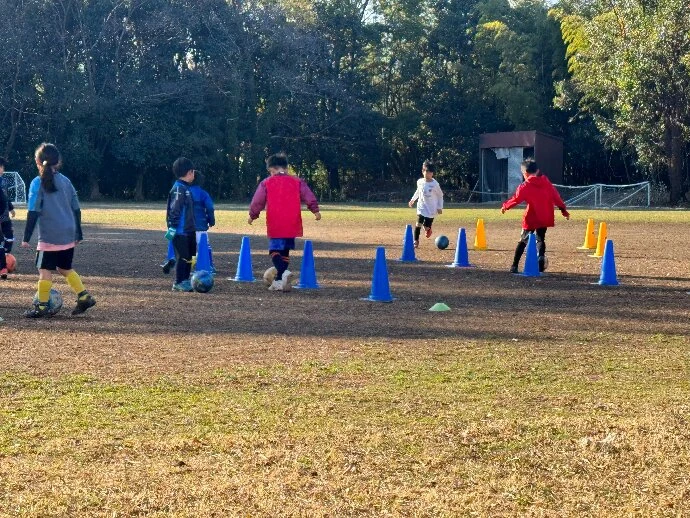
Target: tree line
[357, 92]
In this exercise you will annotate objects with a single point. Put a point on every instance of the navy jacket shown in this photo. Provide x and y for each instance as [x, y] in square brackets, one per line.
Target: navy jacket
[5, 213]
[180, 213]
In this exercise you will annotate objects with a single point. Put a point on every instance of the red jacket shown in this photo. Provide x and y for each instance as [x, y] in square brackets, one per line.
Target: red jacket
[541, 197]
[282, 196]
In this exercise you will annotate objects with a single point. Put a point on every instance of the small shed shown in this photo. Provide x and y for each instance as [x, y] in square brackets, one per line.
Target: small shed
[502, 153]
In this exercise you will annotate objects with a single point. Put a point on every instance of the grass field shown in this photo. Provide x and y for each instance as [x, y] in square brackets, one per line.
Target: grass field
[532, 397]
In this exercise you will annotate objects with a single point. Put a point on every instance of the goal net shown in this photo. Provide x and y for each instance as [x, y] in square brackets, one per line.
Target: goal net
[14, 187]
[605, 196]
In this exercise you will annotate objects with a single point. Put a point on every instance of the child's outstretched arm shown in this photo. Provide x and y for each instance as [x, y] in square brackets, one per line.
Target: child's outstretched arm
[175, 203]
[439, 198]
[309, 199]
[34, 204]
[414, 198]
[517, 198]
[258, 203]
[76, 210]
[558, 202]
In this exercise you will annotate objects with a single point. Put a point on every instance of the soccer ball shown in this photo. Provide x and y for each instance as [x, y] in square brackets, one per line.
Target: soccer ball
[11, 262]
[202, 281]
[270, 275]
[54, 302]
[442, 242]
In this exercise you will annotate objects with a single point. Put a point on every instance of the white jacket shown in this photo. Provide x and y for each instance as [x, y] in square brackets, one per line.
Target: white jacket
[429, 198]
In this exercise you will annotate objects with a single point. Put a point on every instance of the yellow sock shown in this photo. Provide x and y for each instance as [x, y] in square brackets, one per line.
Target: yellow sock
[75, 283]
[44, 292]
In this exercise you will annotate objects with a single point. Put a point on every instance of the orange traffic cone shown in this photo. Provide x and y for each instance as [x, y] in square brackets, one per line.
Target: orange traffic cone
[480, 237]
[601, 242]
[590, 239]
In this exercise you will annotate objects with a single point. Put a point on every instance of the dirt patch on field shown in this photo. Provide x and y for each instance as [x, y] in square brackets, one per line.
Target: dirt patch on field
[139, 327]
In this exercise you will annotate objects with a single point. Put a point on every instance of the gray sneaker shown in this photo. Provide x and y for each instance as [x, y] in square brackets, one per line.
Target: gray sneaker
[183, 286]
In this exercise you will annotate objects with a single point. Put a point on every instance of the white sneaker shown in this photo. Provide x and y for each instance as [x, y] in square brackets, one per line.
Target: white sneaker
[287, 280]
[276, 285]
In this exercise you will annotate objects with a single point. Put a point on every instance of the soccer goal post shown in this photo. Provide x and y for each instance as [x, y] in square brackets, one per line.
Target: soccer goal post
[603, 196]
[14, 187]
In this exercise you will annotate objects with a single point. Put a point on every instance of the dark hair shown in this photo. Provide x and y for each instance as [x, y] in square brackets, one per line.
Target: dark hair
[3, 162]
[182, 166]
[429, 165]
[530, 166]
[277, 160]
[48, 157]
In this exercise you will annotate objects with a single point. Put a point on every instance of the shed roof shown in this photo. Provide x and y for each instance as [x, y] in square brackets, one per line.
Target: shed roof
[514, 139]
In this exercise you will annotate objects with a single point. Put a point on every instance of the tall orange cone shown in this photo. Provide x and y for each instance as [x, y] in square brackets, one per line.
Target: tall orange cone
[590, 239]
[480, 236]
[601, 242]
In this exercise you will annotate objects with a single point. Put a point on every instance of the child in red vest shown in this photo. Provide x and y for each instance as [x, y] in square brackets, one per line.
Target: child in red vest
[282, 196]
[541, 197]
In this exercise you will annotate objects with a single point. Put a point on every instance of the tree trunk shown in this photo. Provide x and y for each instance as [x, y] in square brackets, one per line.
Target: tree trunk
[675, 169]
[16, 121]
[333, 178]
[139, 189]
[93, 187]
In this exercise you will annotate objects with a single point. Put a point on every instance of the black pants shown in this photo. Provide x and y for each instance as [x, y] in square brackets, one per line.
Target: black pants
[422, 221]
[8, 232]
[522, 244]
[185, 248]
[281, 260]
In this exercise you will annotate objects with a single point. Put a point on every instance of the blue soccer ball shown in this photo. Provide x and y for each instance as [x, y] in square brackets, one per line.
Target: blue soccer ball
[202, 281]
[54, 302]
[442, 242]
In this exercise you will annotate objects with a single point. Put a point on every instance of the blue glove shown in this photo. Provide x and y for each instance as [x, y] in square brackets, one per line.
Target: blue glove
[170, 234]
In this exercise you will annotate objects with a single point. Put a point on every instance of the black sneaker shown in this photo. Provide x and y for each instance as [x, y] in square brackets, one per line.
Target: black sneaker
[83, 304]
[37, 311]
[513, 269]
[168, 265]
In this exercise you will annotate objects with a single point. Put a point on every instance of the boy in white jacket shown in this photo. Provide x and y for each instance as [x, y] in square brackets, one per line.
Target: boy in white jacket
[429, 198]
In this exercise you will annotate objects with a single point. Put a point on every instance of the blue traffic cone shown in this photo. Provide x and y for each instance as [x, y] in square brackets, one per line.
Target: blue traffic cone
[532, 259]
[380, 289]
[171, 251]
[462, 259]
[307, 272]
[203, 257]
[608, 266]
[244, 265]
[210, 255]
[408, 255]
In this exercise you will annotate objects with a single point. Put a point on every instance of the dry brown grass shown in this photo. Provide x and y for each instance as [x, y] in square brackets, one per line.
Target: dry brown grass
[547, 397]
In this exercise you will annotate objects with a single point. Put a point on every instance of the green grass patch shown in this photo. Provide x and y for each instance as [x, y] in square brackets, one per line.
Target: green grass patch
[152, 216]
[503, 427]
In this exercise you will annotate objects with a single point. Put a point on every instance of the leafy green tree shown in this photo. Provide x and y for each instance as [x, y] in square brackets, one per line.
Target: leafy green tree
[630, 65]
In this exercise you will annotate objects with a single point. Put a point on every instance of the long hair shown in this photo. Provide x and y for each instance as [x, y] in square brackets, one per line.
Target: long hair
[48, 160]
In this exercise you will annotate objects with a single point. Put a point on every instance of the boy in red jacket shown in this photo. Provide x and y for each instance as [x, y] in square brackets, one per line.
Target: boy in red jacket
[282, 195]
[541, 197]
